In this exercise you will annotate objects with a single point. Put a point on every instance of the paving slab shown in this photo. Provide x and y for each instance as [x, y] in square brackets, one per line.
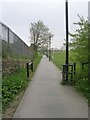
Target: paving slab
[45, 97]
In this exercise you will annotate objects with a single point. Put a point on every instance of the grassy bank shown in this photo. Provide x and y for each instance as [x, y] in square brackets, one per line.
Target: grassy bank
[80, 81]
[36, 61]
[14, 83]
[58, 59]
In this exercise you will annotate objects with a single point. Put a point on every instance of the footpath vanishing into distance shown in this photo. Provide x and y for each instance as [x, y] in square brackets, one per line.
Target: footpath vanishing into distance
[45, 97]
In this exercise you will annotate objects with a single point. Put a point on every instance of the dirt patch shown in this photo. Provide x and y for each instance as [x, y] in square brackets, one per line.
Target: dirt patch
[9, 112]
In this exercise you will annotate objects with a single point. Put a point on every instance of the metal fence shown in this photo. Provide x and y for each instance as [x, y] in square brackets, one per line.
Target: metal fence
[12, 44]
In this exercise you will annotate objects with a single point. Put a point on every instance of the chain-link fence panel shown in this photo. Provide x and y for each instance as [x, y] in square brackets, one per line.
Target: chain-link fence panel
[12, 44]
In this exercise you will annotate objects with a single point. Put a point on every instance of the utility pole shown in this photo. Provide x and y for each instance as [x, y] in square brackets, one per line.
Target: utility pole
[89, 47]
[66, 8]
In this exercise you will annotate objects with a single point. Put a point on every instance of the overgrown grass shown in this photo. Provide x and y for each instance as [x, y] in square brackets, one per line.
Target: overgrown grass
[80, 81]
[12, 85]
[15, 83]
[81, 84]
[36, 61]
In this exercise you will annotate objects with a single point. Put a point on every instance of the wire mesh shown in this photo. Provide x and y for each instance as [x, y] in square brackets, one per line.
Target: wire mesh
[12, 44]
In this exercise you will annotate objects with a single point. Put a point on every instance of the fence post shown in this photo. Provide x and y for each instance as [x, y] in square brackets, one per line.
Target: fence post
[74, 68]
[28, 70]
[32, 66]
[82, 66]
[71, 72]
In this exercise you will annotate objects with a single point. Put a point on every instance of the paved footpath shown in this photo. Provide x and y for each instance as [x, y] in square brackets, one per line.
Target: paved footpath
[46, 98]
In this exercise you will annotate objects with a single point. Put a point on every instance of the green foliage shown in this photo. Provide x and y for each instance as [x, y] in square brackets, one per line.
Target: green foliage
[81, 83]
[80, 55]
[36, 61]
[35, 56]
[39, 34]
[64, 82]
[13, 84]
[80, 45]
[59, 58]
[80, 80]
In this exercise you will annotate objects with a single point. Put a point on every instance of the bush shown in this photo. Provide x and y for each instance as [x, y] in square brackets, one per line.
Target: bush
[12, 84]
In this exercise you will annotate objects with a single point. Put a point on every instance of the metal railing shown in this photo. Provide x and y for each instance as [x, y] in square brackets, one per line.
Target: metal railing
[83, 64]
[71, 71]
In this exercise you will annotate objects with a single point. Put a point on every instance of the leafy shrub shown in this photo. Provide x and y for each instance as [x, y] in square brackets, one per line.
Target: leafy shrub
[13, 84]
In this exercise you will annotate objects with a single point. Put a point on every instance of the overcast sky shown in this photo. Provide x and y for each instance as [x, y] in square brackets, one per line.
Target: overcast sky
[18, 14]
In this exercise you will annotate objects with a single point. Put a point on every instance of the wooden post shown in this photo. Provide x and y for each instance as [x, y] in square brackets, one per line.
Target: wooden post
[28, 70]
[74, 68]
[32, 66]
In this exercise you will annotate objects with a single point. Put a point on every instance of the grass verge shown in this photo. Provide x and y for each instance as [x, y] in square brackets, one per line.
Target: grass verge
[36, 61]
[12, 85]
[80, 81]
[15, 83]
[58, 59]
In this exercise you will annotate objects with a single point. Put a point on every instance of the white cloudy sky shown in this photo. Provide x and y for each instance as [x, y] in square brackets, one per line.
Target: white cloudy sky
[18, 14]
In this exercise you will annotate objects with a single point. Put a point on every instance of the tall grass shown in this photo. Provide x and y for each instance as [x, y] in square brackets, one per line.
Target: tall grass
[36, 61]
[58, 58]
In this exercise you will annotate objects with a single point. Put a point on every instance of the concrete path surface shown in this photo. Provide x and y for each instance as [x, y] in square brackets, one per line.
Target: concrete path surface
[45, 97]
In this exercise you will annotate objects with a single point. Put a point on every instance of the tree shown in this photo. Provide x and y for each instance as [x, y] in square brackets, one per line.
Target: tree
[79, 43]
[39, 34]
[79, 46]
